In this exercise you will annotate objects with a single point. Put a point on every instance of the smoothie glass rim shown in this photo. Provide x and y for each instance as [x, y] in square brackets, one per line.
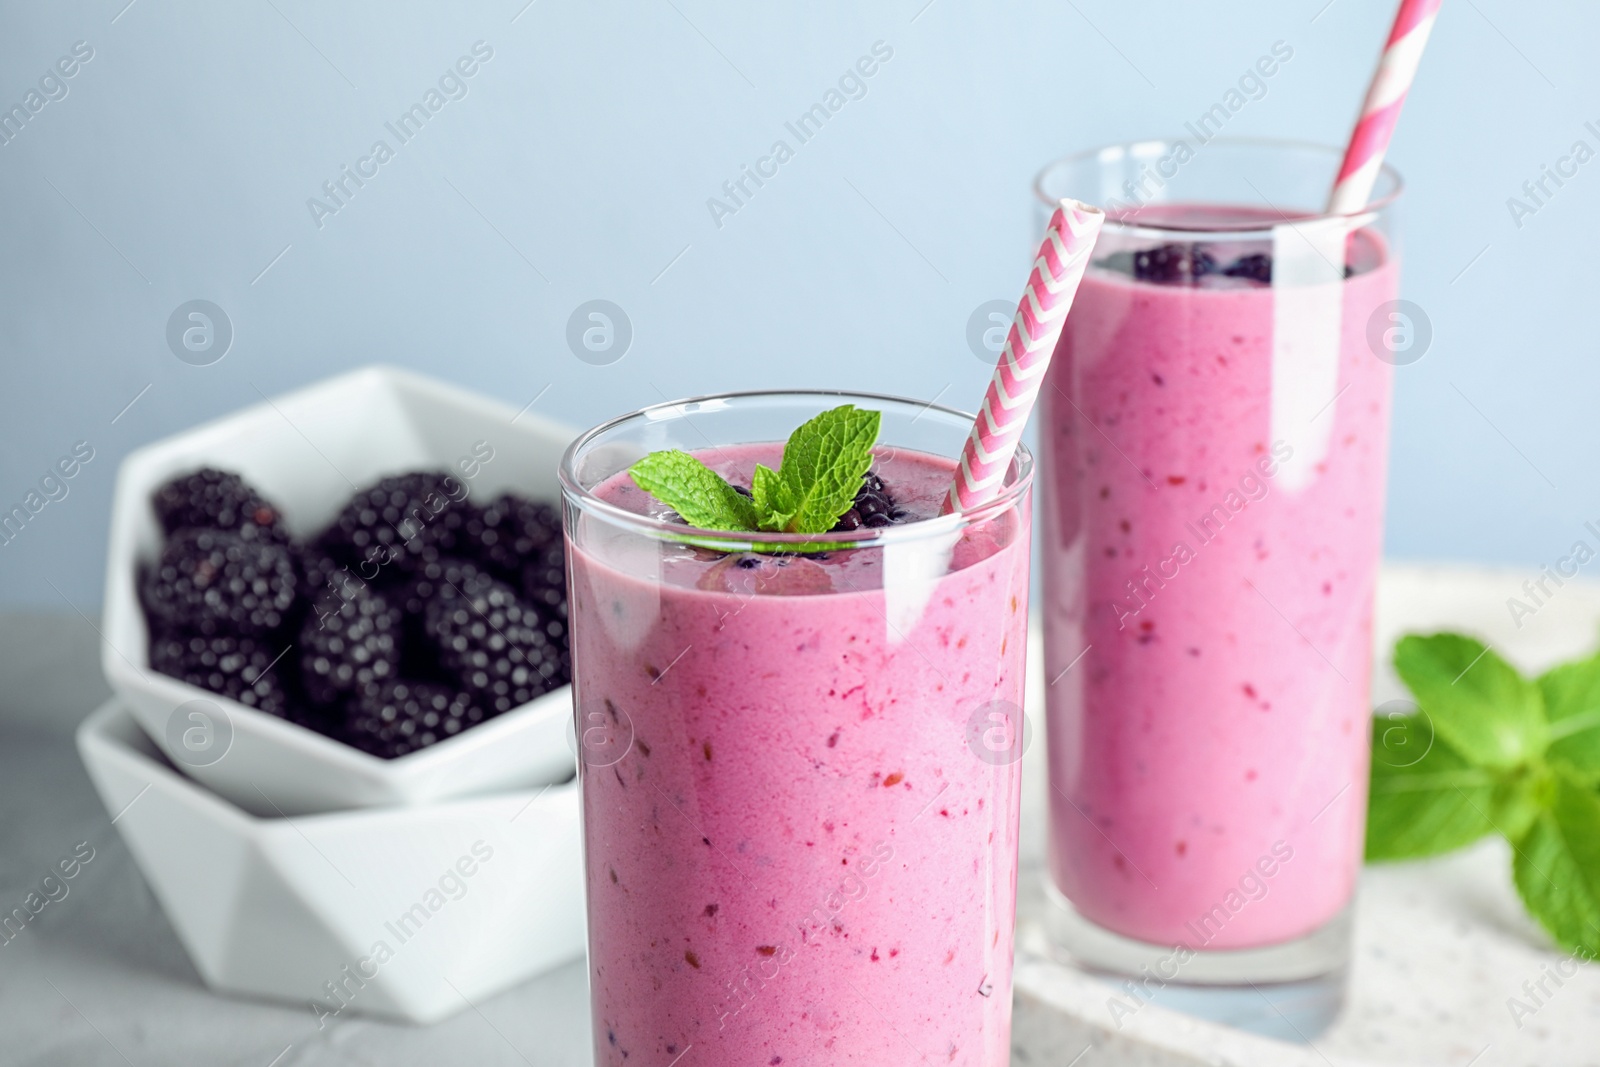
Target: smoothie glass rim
[1018, 480]
[1389, 186]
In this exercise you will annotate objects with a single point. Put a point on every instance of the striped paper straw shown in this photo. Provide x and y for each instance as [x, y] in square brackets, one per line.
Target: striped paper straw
[1057, 270]
[1396, 70]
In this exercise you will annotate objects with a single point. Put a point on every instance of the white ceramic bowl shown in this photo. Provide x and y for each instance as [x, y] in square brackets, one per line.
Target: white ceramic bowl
[309, 452]
[409, 913]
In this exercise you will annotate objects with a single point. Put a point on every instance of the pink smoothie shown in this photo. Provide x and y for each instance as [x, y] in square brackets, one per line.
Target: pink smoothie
[800, 859]
[1208, 752]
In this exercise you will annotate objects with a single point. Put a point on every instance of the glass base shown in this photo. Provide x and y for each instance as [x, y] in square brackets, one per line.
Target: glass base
[1291, 991]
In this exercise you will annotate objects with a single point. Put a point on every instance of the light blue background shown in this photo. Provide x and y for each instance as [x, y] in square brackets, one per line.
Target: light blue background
[580, 162]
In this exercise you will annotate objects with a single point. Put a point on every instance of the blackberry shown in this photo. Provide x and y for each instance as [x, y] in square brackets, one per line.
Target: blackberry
[507, 532]
[444, 576]
[401, 522]
[350, 640]
[873, 508]
[438, 578]
[398, 716]
[494, 643]
[1257, 267]
[544, 585]
[323, 578]
[1169, 264]
[215, 581]
[245, 669]
[217, 500]
[544, 581]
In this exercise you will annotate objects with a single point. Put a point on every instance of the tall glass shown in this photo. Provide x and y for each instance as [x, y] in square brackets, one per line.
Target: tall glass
[799, 768]
[1213, 453]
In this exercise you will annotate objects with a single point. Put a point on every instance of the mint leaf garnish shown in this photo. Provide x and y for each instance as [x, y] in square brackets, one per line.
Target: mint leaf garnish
[1477, 702]
[1557, 867]
[1497, 753]
[766, 486]
[823, 465]
[1425, 799]
[694, 491]
[1572, 702]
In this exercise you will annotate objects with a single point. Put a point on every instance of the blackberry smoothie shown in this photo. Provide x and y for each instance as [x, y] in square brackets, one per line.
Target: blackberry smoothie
[1214, 449]
[796, 852]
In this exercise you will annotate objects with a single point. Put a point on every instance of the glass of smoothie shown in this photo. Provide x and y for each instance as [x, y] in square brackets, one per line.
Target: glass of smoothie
[1213, 452]
[799, 753]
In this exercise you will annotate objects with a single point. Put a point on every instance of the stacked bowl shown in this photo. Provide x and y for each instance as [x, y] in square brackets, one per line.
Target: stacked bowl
[326, 847]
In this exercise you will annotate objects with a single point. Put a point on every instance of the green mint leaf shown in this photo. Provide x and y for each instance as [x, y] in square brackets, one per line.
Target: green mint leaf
[823, 464]
[694, 491]
[1425, 799]
[772, 509]
[1476, 701]
[1572, 702]
[1556, 867]
[1519, 798]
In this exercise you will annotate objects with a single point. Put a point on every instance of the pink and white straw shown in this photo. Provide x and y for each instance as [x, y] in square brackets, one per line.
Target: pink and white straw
[1057, 270]
[1396, 70]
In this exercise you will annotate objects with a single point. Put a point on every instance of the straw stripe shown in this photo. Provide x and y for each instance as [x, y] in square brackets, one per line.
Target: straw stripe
[1409, 18]
[1397, 68]
[1030, 342]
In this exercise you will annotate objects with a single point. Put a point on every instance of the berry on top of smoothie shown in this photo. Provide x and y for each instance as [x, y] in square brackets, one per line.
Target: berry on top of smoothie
[1170, 263]
[873, 507]
[1190, 264]
[1257, 267]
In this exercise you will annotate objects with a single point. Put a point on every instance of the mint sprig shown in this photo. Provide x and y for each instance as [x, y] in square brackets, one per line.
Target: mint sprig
[1490, 751]
[823, 464]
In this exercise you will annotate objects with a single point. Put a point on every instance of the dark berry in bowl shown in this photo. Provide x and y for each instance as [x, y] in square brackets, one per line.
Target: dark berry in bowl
[324, 578]
[245, 669]
[348, 641]
[414, 616]
[436, 579]
[494, 643]
[507, 532]
[399, 524]
[215, 581]
[444, 576]
[393, 718]
[544, 580]
[217, 500]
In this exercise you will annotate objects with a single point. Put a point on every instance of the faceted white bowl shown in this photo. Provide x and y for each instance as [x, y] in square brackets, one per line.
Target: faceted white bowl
[409, 913]
[309, 452]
